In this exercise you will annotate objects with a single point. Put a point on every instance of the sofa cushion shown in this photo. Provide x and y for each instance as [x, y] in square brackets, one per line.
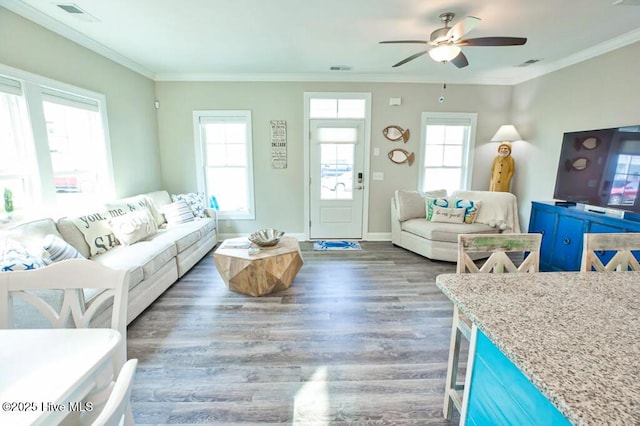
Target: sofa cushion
[177, 213]
[471, 208]
[147, 255]
[133, 227]
[96, 231]
[31, 234]
[58, 249]
[448, 215]
[411, 204]
[195, 201]
[71, 234]
[448, 232]
[185, 234]
[158, 199]
[15, 257]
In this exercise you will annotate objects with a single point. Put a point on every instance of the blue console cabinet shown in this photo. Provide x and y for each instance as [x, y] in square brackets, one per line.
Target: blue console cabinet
[562, 228]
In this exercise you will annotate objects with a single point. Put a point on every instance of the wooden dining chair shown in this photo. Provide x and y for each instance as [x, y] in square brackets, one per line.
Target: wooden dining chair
[610, 252]
[114, 410]
[36, 287]
[497, 247]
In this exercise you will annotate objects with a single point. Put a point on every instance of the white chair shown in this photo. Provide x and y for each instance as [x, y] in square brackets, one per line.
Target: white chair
[71, 277]
[596, 245]
[497, 246]
[114, 410]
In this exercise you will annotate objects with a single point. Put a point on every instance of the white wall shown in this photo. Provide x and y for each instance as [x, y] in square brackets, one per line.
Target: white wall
[280, 193]
[598, 93]
[130, 96]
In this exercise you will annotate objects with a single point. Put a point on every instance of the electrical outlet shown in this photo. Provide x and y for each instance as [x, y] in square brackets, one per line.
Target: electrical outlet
[227, 224]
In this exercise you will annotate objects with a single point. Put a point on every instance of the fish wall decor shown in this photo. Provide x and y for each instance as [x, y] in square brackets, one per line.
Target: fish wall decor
[400, 156]
[396, 133]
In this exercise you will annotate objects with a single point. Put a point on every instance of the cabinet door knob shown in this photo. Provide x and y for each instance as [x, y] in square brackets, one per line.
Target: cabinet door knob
[567, 240]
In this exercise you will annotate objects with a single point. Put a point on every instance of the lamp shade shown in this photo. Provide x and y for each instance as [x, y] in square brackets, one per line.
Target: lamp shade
[506, 132]
[444, 53]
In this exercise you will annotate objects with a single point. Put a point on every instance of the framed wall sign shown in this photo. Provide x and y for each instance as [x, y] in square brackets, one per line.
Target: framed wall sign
[278, 144]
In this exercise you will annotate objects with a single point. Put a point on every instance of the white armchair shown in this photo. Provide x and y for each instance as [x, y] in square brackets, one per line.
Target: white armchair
[497, 213]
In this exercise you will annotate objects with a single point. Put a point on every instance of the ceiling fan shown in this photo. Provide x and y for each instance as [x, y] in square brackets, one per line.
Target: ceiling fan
[447, 42]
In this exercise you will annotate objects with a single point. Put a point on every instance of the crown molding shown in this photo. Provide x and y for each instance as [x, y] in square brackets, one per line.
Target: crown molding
[338, 77]
[58, 27]
[589, 53]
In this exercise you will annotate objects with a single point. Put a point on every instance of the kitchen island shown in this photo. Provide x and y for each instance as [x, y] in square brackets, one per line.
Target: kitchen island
[575, 337]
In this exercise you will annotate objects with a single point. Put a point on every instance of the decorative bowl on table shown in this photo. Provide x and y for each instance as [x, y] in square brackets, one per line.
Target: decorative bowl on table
[266, 237]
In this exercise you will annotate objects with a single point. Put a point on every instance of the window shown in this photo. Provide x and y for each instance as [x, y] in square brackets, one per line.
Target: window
[55, 148]
[447, 146]
[224, 156]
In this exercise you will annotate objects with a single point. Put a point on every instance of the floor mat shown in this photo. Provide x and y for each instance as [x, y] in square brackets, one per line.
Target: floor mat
[336, 245]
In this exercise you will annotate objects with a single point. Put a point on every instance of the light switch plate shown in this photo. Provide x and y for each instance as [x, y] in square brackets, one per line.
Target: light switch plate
[377, 176]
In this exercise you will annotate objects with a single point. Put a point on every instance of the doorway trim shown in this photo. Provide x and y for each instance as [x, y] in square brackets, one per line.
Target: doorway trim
[307, 151]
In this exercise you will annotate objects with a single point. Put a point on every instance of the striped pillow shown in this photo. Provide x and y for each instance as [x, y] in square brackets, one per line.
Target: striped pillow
[178, 212]
[59, 249]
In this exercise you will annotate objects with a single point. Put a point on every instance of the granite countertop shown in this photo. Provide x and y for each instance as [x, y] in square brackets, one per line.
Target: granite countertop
[575, 335]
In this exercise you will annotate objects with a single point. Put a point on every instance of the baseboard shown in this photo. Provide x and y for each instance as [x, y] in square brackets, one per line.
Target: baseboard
[378, 236]
[299, 237]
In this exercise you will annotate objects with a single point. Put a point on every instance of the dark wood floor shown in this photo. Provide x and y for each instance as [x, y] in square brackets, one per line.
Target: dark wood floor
[361, 337]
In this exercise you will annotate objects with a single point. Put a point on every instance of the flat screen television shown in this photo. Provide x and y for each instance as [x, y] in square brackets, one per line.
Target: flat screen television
[600, 168]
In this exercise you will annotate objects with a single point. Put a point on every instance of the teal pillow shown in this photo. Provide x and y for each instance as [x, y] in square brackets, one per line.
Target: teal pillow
[440, 202]
[471, 209]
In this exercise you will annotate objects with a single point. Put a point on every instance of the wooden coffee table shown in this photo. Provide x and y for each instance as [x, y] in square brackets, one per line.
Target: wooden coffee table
[272, 269]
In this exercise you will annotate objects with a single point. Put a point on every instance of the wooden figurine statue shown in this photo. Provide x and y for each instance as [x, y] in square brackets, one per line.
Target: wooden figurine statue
[502, 169]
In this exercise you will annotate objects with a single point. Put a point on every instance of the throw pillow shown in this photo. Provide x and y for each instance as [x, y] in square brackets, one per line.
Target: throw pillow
[448, 215]
[134, 226]
[178, 212]
[195, 201]
[15, 257]
[127, 205]
[471, 209]
[58, 249]
[439, 202]
[96, 231]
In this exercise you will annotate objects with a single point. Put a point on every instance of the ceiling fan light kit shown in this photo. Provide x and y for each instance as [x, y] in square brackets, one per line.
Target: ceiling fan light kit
[445, 52]
[446, 42]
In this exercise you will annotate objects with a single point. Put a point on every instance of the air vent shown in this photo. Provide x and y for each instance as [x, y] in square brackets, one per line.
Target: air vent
[529, 62]
[75, 11]
[340, 68]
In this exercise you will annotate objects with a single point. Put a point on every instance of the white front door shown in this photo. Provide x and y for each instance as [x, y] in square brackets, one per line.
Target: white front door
[337, 178]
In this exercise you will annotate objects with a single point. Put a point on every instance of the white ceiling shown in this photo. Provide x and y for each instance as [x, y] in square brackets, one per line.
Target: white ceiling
[301, 40]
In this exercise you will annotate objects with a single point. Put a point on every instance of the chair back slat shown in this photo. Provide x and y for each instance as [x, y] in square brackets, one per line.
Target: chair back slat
[623, 244]
[498, 245]
[70, 276]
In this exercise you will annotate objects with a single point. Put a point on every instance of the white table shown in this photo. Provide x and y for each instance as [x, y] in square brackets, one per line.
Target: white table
[46, 373]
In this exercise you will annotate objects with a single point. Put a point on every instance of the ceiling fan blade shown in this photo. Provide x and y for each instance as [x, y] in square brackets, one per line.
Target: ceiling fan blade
[460, 61]
[461, 28]
[410, 58]
[492, 41]
[404, 41]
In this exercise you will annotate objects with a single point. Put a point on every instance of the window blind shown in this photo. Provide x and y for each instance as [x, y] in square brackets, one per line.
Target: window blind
[11, 86]
[69, 99]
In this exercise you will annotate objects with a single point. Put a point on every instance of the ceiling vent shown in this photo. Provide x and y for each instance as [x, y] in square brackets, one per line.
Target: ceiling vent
[340, 68]
[75, 11]
[529, 62]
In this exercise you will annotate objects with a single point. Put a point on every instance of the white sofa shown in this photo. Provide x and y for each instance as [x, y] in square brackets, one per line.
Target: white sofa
[497, 212]
[154, 263]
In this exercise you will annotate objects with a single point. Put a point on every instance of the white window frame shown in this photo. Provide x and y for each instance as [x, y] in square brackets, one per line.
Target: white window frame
[451, 118]
[200, 151]
[42, 191]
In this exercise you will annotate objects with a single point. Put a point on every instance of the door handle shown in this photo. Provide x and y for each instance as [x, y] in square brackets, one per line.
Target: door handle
[360, 187]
